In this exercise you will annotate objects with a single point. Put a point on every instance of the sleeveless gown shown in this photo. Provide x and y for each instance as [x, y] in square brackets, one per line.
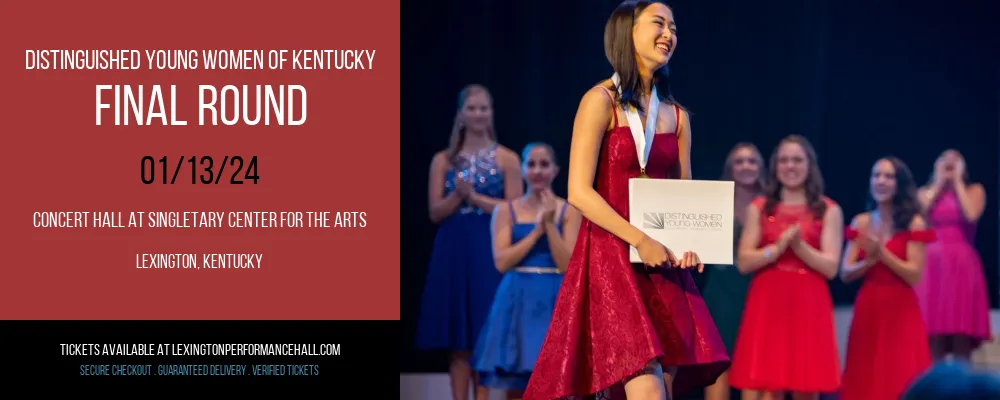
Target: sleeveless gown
[887, 347]
[461, 276]
[725, 295]
[787, 341]
[612, 317]
[522, 309]
[952, 292]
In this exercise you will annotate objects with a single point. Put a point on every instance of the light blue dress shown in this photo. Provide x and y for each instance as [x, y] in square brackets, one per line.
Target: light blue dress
[522, 309]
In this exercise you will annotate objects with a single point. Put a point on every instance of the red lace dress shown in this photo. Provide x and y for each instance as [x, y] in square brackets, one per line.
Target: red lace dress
[887, 348]
[611, 317]
[787, 340]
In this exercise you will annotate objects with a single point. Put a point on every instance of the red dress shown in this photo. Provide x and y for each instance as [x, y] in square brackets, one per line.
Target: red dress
[786, 341]
[612, 318]
[888, 347]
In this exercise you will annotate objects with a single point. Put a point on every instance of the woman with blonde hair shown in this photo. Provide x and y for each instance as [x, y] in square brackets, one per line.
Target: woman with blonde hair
[467, 181]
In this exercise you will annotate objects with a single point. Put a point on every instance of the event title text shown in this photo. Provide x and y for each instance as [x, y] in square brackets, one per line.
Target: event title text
[229, 105]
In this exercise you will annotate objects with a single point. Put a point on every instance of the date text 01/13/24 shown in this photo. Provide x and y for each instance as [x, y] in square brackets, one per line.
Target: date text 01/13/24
[203, 170]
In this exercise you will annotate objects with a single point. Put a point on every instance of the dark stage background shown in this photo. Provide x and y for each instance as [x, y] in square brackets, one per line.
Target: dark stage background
[860, 79]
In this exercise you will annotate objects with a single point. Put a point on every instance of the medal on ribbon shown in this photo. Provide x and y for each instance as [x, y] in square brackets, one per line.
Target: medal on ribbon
[643, 140]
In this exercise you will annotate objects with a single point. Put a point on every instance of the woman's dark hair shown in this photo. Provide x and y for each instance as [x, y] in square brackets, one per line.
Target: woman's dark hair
[546, 146]
[904, 202]
[458, 129]
[620, 50]
[813, 183]
[727, 167]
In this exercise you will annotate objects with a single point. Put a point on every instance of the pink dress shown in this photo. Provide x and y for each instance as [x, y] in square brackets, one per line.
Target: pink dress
[952, 292]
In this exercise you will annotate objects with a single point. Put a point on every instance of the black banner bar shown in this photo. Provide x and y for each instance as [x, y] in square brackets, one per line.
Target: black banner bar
[331, 353]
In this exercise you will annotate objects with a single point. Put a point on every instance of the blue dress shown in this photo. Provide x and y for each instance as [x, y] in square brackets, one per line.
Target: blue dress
[522, 309]
[461, 276]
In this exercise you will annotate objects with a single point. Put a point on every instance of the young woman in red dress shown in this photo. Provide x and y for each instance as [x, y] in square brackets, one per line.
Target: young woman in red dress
[791, 243]
[622, 329]
[887, 348]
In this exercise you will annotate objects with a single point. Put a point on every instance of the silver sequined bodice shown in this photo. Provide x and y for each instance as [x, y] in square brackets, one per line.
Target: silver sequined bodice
[482, 170]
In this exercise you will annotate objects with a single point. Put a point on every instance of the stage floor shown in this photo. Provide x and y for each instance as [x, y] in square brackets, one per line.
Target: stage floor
[436, 386]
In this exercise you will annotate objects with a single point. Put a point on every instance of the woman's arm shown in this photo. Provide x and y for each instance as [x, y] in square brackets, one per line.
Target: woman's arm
[852, 268]
[440, 206]
[972, 199]
[825, 260]
[927, 194]
[510, 164]
[749, 257]
[507, 255]
[592, 119]
[910, 269]
[561, 245]
[684, 144]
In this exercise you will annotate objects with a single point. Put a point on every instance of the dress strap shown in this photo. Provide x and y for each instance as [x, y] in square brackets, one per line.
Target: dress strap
[614, 110]
[677, 120]
[850, 233]
[562, 214]
[923, 235]
[513, 217]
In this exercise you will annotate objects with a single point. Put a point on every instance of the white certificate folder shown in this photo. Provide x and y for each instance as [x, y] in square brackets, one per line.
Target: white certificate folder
[685, 215]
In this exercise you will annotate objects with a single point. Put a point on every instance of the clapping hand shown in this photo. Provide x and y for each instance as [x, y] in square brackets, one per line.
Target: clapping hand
[958, 172]
[547, 214]
[463, 187]
[870, 243]
[790, 236]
